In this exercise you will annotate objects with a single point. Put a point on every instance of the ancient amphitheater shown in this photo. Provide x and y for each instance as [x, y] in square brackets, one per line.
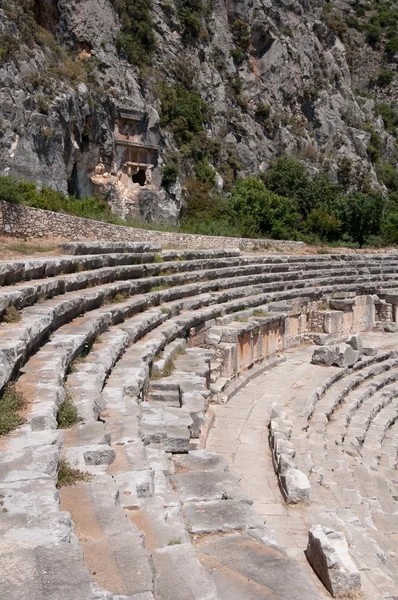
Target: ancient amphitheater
[209, 444]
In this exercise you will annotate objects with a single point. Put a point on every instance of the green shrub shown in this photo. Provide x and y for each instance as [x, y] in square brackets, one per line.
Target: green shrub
[384, 78]
[183, 111]
[323, 224]
[192, 15]
[389, 116]
[259, 211]
[11, 403]
[289, 177]
[374, 36]
[205, 172]
[241, 35]
[170, 174]
[262, 111]
[136, 38]
[361, 215]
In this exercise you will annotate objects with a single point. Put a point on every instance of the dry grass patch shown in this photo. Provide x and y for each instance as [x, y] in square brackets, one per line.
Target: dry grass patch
[11, 315]
[67, 413]
[11, 403]
[68, 476]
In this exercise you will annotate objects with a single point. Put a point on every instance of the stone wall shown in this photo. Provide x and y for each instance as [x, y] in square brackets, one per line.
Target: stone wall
[27, 222]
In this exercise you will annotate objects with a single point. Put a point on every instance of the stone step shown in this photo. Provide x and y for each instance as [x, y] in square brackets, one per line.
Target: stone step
[81, 248]
[383, 420]
[113, 547]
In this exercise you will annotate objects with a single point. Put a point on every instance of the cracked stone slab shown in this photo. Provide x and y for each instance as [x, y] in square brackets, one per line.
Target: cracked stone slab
[220, 516]
[327, 553]
[200, 460]
[209, 485]
[179, 575]
[45, 573]
[243, 567]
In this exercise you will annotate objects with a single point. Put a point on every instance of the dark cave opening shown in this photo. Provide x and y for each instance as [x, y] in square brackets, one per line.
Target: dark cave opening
[140, 177]
[73, 185]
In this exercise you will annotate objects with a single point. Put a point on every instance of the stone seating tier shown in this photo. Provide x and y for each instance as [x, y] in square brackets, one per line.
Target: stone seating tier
[141, 347]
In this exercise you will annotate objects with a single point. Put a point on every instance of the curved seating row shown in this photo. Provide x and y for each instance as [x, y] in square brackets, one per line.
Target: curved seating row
[94, 336]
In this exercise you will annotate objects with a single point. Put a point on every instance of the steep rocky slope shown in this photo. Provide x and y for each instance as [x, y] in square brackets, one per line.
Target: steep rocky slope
[212, 90]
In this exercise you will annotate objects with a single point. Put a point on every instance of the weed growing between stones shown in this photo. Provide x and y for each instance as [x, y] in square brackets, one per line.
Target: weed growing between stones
[174, 542]
[226, 496]
[11, 403]
[68, 476]
[259, 312]
[119, 297]
[169, 367]
[241, 319]
[157, 258]
[67, 413]
[159, 288]
[11, 315]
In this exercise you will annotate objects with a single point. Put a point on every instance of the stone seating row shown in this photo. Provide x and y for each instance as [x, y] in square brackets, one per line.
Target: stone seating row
[38, 290]
[37, 321]
[129, 414]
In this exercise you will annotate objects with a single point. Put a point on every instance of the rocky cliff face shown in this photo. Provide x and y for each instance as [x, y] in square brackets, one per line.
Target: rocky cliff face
[276, 76]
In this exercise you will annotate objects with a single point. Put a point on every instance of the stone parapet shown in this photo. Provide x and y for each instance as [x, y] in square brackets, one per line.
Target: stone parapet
[27, 222]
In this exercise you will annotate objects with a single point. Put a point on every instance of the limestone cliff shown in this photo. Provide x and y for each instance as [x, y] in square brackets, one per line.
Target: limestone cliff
[276, 76]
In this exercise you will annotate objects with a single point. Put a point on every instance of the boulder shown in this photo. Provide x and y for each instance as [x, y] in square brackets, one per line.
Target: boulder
[341, 355]
[296, 486]
[327, 553]
[356, 343]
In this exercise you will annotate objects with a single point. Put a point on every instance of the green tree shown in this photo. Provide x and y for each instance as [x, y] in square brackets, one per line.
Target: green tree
[361, 215]
[258, 211]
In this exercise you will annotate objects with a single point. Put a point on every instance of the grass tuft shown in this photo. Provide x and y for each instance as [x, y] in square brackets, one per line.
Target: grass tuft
[157, 258]
[67, 413]
[159, 288]
[11, 315]
[174, 542]
[68, 476]
[11, 403]
[169, 367]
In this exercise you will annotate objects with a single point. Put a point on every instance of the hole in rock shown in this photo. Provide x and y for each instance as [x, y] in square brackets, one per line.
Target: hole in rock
[140, 177]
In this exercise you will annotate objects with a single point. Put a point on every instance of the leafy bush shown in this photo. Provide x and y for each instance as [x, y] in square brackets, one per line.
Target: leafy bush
[183, 111]
[389, 116]
[361, 215]
[289, 177]
[384, 78]
[191, 14]
[262, 112]
[20, 192]
[241, 35]
[170, 174]
[205, 172]
[258, 211]
[136, 38]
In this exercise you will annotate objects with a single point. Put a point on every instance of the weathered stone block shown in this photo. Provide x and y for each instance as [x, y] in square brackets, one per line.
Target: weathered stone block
[327, 553]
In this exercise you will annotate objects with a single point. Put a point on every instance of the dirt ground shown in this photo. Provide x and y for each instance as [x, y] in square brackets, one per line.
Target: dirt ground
[13, 248]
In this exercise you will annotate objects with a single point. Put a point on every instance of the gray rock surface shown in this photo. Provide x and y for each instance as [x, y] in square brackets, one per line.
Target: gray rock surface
[59, 126]
[341, 355]
[327, 552]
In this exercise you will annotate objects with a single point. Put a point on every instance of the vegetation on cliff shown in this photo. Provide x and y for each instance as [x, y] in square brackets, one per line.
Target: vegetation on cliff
[283, 203]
